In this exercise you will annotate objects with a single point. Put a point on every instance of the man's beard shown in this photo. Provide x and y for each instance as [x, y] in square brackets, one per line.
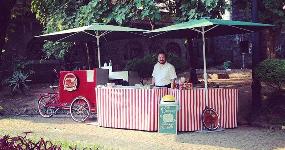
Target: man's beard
[162, 62]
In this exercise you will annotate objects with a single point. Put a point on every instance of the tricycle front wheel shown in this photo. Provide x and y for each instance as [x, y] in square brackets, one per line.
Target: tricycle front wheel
[80, 109]
[210, 119]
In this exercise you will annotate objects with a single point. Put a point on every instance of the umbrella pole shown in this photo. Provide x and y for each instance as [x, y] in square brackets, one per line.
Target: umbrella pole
[205, 66]
[98, 48]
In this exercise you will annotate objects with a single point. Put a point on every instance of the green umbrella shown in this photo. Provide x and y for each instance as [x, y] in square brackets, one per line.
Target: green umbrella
[206, 27]
[90, 33]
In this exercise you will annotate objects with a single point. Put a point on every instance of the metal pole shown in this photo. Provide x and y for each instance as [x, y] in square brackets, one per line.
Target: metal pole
[205, 66]
[98, 52]
[243, 60]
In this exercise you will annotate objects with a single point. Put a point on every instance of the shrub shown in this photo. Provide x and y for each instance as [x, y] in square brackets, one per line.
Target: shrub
[19, 142]
[179, 63]
[17, 79]
[227, 64]
[272, 72]
[144, 66]
[17, 82]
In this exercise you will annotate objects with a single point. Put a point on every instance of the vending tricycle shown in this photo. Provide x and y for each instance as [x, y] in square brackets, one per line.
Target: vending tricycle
[75, 92]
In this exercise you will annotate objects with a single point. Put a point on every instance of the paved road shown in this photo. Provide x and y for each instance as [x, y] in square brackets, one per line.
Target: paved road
[64, 128]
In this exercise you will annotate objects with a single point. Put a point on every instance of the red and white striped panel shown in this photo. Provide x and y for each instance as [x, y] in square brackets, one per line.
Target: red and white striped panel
[138, 108]
[129, 108]
[192, 103]
[225, 102]
[191, 106]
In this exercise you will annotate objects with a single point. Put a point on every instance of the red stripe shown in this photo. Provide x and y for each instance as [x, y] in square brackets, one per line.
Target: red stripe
[194, 106]
[102, 100]
[191, 123]
[108, 114]
[188, 95]
[183, 108]
[156, 99]
[202, 107]
[120, 107]
[223, 104]
[226, 108]
[196, 109]
[129, 108]
[142, 109]
[236, 106]
[104, 106]
[230, 108]
[139, 110]
[116, 103]
[135, 109]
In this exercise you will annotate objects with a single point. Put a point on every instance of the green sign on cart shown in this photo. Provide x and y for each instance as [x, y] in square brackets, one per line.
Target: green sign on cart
[167, 118]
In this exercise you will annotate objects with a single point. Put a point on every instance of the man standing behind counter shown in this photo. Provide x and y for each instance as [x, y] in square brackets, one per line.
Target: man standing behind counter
[163, 72]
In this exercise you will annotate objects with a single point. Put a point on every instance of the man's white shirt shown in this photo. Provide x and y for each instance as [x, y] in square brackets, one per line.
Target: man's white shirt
[163, 73]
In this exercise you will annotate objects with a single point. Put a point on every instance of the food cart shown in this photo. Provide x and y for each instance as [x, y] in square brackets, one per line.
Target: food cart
[134, 107]
[75, 93]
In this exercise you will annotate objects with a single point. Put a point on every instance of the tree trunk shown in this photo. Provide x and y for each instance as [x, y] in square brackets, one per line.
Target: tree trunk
[92, 54]
[256, 85]
[192, 61]
[256, 59]
[270, 37]
[5, 11]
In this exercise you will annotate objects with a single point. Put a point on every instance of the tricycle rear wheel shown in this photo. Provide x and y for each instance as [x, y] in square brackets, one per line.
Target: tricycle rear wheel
[80, 109]
[44, 110]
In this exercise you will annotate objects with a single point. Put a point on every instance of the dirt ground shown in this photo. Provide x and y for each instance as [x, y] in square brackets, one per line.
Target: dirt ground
[62, 128]
[22, 104]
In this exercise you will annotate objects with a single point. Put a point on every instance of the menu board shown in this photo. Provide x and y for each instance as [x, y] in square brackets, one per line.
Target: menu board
[167, 118]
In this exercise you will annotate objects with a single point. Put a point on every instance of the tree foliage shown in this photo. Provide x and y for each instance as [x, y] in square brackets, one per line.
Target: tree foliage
[273, 11]
[58, 15]
[5, 11]
[195, 9]
[272, 72]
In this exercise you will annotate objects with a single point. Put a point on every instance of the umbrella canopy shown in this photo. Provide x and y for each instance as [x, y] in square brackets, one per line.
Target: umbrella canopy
[212, 27]
[207, 28]
[96, 31]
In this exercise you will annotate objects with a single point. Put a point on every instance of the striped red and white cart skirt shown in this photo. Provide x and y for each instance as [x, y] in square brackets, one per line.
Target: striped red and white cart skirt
[137, 109]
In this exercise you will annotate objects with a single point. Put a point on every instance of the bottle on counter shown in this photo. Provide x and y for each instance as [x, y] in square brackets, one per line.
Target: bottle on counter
[110, 62]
